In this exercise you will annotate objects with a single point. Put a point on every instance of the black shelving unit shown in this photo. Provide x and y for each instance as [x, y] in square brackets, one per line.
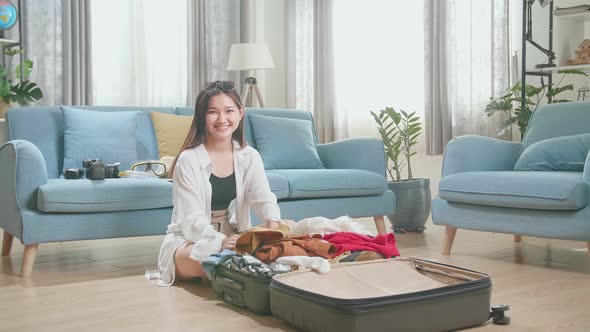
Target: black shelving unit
[527, 39]
[19, 41]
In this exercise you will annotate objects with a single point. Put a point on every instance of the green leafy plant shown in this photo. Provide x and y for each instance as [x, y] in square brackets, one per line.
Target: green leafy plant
[12, 88]
[399, 132]
[511, 101]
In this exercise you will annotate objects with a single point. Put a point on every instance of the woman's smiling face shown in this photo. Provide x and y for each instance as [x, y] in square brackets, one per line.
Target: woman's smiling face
[222, 117]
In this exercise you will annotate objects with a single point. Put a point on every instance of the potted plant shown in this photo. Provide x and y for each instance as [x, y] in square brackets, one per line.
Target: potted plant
[399, 132]
[511, 101]
[13, 89]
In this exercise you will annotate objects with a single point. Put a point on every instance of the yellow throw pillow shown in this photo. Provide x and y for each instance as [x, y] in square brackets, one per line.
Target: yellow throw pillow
[171, 130]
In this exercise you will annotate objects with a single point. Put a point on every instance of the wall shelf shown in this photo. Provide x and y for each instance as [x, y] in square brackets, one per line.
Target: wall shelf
[583, 17]
[5, 42]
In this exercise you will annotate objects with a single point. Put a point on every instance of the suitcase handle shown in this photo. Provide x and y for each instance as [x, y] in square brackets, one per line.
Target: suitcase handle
[230, 283]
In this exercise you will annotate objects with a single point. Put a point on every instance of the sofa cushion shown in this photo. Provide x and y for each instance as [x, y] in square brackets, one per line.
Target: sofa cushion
[310, 183]
[279, 185]
[529, 190]
[60, 195]
[110, 136]
[565, 153]
[285, 143]
[171, 131]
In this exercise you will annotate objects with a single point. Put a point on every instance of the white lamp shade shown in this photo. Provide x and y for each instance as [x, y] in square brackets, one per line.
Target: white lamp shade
[249, 57]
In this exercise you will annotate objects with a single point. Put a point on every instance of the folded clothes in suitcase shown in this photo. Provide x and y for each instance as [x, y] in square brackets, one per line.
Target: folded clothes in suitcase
[403, 294]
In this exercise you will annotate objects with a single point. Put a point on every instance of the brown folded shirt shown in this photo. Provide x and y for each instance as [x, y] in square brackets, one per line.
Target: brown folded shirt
[304, 245]
[257, 236]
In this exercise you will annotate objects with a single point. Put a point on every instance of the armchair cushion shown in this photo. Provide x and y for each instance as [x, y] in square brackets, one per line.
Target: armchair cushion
[565, 153]
[60, 195]
[110, 136]
[310, 183]
[285, 143]
[528, 190]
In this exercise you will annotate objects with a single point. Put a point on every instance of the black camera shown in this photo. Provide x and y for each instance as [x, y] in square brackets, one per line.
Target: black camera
[96, 169]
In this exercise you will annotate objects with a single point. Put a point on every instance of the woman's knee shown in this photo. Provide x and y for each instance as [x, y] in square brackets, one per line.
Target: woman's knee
[187, 268]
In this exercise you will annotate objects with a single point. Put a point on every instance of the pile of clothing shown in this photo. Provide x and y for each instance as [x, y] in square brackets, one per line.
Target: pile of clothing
[263, 251]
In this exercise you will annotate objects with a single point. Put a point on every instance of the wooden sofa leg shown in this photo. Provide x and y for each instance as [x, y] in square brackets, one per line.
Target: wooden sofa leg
[380, 224]
[7, 243]
[28, 260]
[450, 232]
[517, 238]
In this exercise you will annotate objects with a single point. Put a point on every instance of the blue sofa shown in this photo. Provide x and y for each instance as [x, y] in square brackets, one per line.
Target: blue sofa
[39, 207]
[480, 190]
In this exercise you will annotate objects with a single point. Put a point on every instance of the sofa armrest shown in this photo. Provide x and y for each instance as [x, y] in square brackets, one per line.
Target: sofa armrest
[356, 153]
[23, 171]
[478, 153]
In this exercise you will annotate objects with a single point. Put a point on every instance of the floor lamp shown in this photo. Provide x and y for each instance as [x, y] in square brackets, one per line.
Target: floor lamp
[250, 57]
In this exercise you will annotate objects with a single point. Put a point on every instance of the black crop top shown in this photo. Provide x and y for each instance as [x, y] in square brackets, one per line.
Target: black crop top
[223, 191]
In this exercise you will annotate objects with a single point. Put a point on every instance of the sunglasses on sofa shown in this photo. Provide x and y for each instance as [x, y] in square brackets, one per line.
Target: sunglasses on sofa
[155, 167]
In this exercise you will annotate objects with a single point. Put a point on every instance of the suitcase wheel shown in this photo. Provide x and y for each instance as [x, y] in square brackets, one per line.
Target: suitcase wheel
[498, 314]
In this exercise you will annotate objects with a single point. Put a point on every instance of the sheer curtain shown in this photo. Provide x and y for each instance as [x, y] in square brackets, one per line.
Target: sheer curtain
[467, 60]
[378, 60]
[213, 27]
[139, 52]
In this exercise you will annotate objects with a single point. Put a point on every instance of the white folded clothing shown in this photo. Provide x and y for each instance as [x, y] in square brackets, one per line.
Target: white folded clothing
[315, 263]
[322, 226]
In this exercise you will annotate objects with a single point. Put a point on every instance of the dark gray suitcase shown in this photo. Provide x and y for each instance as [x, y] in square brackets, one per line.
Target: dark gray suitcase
[242, 289]
[403, 294]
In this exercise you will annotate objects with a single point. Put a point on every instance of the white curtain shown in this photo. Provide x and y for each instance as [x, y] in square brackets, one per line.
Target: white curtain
[139, 52]
[379, 61]
[467, 62]
[309, 60]
[213, 27]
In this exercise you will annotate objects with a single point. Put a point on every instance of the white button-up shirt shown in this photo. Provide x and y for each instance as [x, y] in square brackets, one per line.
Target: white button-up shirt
[191, 216]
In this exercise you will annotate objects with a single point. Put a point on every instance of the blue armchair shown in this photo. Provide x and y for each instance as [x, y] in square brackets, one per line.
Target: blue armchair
[480, 190]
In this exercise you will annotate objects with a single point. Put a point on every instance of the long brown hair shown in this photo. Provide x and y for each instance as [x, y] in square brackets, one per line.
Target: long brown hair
[197, 133]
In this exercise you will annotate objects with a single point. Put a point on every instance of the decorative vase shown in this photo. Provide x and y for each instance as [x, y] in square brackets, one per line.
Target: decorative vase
[3, 108]
[412, 205]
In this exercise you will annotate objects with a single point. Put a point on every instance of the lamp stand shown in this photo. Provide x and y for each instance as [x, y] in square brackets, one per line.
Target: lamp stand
[250, 88]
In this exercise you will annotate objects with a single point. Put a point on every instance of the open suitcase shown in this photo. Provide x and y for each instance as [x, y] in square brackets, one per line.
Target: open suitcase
[403, 294]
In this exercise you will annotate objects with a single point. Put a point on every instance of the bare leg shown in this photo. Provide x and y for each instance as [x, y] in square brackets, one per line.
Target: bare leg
[187, 268]
[517, 238]
[380, 224]
[7, 243]
[28, 260]
[450, 232]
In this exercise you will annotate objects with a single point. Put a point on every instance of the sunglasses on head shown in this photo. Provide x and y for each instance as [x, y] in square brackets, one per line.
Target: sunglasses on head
[222, 85]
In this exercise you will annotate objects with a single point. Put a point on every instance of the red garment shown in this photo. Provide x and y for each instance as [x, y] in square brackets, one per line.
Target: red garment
[382, 243]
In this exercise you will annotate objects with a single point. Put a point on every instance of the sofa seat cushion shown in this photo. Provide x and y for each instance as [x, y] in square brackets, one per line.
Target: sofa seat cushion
[312, 183]
[60, 195]
[529, 190]
[279, 185]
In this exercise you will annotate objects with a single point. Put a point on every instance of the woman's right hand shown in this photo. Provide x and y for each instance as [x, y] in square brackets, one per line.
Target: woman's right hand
[229, 242]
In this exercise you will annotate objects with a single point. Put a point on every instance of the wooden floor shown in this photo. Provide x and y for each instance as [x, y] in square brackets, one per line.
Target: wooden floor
[100, 285]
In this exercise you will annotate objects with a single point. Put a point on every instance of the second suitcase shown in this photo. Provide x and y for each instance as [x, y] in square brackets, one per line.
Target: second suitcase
[404, 294]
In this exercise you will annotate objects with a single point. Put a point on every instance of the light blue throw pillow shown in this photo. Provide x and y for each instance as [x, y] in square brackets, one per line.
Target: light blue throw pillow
[565, 153]
[285, 143]
[110, 136]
